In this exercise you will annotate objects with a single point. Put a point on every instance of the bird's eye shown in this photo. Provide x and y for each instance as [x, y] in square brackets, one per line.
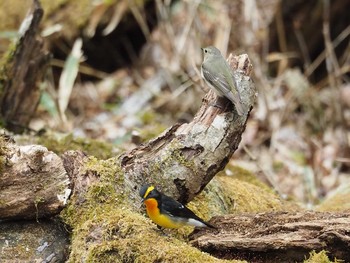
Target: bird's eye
[206, 51]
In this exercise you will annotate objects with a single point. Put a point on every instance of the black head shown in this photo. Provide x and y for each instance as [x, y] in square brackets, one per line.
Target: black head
[148, 191]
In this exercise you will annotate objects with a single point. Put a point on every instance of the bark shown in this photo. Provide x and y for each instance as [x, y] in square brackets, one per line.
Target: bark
[23, 74]
[81, 177]
[277, 236]
[183, 159]
[33, 182]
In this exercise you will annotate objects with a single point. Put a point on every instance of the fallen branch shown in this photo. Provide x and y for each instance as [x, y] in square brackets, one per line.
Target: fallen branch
[277, 236]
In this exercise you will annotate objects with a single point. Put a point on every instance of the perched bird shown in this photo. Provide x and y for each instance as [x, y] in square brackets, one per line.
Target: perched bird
[219, 76]
[167, 212]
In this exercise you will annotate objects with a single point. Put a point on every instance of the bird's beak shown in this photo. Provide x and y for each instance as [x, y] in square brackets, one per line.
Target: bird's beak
[201, 48]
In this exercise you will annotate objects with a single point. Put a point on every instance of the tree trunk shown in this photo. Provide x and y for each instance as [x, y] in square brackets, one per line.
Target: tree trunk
[183, 159]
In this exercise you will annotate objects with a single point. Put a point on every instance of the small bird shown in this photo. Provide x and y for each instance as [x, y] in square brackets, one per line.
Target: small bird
[167, 212]
[219, 76]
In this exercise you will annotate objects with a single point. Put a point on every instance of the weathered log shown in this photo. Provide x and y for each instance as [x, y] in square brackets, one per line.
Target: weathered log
[33, 182]
[277, 236]
[23, 73]
[183, 159]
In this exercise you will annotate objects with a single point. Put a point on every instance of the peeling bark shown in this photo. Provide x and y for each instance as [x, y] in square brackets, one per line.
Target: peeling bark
[187, 156]
[277, 236]
[33, 182]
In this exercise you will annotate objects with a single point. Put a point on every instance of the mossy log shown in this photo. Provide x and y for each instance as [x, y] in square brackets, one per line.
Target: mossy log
[33, 182]
[277, 236]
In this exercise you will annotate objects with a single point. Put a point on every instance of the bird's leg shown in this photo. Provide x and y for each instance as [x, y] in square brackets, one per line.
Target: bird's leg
[161, 229]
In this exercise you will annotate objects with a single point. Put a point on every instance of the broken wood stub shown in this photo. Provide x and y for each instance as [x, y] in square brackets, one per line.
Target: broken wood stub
[23, 73]
[277, 236]
[184, 158]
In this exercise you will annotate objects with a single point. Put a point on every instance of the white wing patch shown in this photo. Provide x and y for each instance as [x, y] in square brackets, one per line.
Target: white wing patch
[194, 222]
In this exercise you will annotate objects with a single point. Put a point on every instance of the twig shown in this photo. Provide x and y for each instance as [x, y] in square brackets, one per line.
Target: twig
[342, 36]
[331, 63]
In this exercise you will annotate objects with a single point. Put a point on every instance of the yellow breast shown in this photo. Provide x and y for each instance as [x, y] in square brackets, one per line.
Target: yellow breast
[154, 213]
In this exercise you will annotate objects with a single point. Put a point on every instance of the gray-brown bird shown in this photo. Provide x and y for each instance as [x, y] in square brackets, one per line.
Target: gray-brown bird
[219, 76]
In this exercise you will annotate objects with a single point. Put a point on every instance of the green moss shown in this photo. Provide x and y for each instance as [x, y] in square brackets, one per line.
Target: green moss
[5, 64]
[211, 201]
[225, 195]
[247, 197]
[126, 236]
[106, 229]
[337, 201]
[177, 157]
[59, 143]
[102, 192]
[320, 257]
[244, 175]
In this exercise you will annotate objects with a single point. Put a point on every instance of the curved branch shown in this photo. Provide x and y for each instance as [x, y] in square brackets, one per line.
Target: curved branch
[184, 158]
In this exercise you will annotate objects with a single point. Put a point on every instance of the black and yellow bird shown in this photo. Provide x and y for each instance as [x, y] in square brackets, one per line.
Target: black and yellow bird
[167, 212]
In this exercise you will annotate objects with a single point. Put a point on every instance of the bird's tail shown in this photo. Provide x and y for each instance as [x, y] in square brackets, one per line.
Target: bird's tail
[236, 100]
[210, 225]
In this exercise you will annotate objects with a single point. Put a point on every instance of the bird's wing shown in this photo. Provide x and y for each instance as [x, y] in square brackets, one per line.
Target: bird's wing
[223, 87]
[176, 209]
[219, 82]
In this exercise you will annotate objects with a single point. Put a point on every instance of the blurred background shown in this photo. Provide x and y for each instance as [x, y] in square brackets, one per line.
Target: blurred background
[136, 71]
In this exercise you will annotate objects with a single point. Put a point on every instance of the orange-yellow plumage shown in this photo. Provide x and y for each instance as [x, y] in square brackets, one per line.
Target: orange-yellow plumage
[167, 212]
[154, 213]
